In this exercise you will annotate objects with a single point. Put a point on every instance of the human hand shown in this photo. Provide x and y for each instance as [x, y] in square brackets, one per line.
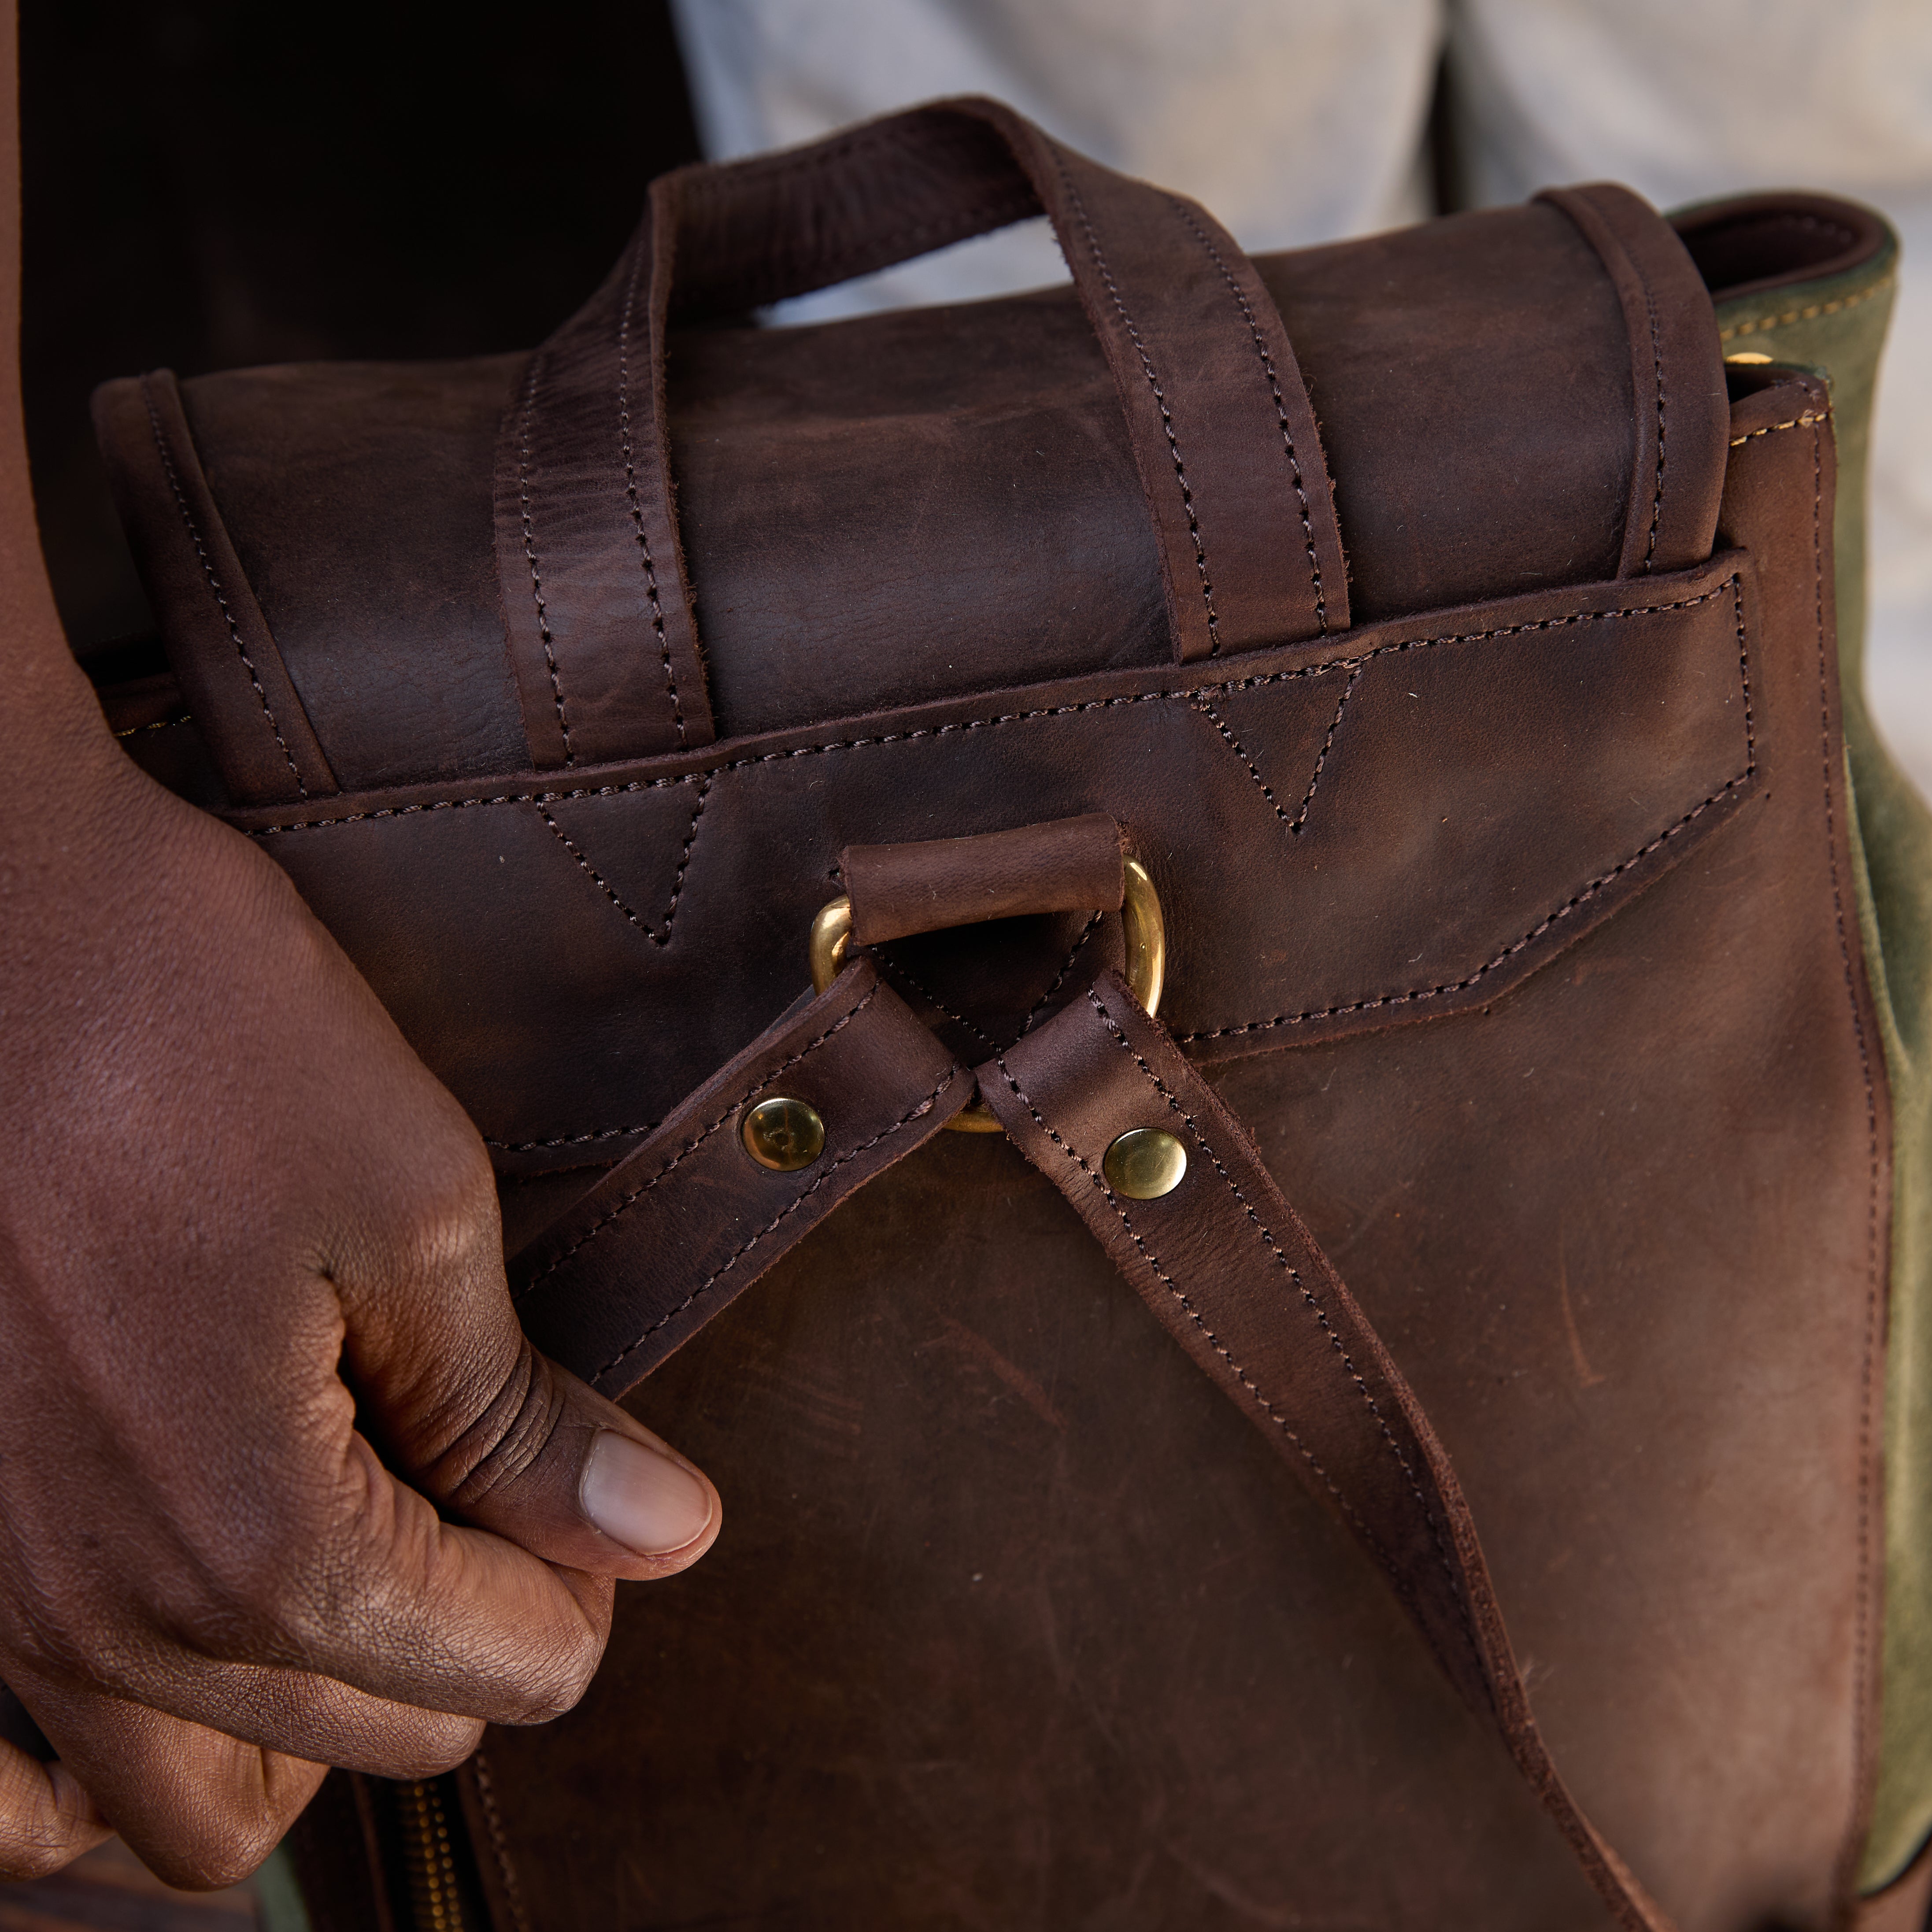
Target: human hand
[281, 1484]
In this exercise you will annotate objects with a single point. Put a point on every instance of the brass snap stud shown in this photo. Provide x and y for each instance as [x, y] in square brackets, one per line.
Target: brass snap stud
[783, 1134]
[1144, 1163]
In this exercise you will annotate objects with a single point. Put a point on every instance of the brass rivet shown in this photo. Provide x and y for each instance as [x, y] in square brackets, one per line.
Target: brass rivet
[1144, 1163]
[783, 1134]
[1748, 355]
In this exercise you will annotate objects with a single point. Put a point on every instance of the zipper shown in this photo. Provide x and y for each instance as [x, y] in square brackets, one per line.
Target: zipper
[428, 1852]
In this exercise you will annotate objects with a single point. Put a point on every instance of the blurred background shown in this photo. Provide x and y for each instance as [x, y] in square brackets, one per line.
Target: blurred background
[210, 184]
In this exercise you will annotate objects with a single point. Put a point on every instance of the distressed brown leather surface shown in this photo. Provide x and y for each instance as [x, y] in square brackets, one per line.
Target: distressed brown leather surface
[1513, 923]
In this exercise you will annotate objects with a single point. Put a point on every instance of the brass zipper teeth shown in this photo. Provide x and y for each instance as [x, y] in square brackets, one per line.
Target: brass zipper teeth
[435, 1904]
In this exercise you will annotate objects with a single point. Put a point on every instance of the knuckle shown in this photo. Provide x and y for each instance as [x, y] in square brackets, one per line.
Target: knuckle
[561, 1684]
[443, 1745]
[216, 1853]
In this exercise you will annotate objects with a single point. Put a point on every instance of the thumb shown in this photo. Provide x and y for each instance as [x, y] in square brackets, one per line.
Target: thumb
[466, 1411]
[551, 1465]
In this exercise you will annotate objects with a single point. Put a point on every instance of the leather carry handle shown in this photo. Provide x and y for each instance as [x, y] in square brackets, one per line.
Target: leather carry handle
[1224, 438]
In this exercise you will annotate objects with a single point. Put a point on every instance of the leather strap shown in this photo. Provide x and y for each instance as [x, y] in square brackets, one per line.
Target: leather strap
[687, 1222]
[602, 633]
[1680, 413]
[1225, 1264]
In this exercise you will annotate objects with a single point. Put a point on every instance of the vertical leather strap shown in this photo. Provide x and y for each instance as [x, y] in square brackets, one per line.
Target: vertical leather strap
[1225, 1264]
[1680, 414]
[598, 610]
[602, 627]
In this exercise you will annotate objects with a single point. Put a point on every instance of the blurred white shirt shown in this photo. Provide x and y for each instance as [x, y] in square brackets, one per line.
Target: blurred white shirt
[1304, 120]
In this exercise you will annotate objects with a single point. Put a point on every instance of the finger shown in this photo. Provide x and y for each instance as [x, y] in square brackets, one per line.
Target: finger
[564, 1474]
[467, 1410]
[292, 1711]
[200, 1810]
[47, 1817]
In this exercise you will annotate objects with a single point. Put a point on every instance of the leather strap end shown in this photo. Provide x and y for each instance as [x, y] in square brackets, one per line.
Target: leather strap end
[687, 1221]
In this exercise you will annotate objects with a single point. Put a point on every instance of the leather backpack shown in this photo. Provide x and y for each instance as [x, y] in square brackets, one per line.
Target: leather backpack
[1335, 765]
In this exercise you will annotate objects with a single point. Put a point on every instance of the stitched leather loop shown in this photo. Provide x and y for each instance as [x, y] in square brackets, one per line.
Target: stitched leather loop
[1680, 414]
[1069, 864]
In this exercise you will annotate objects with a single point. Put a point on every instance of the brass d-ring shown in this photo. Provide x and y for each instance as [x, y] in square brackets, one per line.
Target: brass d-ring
[1147, 963]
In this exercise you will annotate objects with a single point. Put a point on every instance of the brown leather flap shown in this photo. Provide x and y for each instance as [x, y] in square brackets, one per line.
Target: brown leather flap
[1344, 836]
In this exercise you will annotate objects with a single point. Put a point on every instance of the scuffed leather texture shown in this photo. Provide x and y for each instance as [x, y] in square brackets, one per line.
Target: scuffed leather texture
[1512, 923]
[1070, 864]
[230, 671]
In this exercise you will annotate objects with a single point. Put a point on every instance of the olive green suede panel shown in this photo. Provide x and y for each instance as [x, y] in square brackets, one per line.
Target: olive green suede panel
[1837, 325]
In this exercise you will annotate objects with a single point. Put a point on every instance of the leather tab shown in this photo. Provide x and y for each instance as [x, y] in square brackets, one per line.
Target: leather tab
[1226, 1266]
[222, 651]
[1680, 413]
[1069, 864]
[687, 1222]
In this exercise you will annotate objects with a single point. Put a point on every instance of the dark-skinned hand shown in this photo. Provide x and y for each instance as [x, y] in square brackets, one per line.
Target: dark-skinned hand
[282, 1486]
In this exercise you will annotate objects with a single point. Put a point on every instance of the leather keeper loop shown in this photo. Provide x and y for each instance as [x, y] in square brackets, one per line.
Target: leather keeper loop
[1066, 865]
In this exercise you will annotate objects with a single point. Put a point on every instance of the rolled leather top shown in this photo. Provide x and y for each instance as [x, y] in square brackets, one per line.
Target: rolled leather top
[903, 506]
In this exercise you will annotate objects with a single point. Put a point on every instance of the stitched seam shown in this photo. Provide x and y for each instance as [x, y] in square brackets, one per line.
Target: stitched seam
[631, 487]
[1159, 397]
[1190, 694]
[1265, 1235]
[1796, 422]
[1194, 1315]
[159, 725]
[925, 993]
[1810, 314]
[1580, 898]
[1536, 932]
[1039, 1005]
[1241, 752]
[1854, 1842]
[486, 1792]
[691, 1146]
[1234, 288]
[530, 555]
[1656, 368]
[604, 885]
[214, 583]
[703, 1288]
[568, 1140]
